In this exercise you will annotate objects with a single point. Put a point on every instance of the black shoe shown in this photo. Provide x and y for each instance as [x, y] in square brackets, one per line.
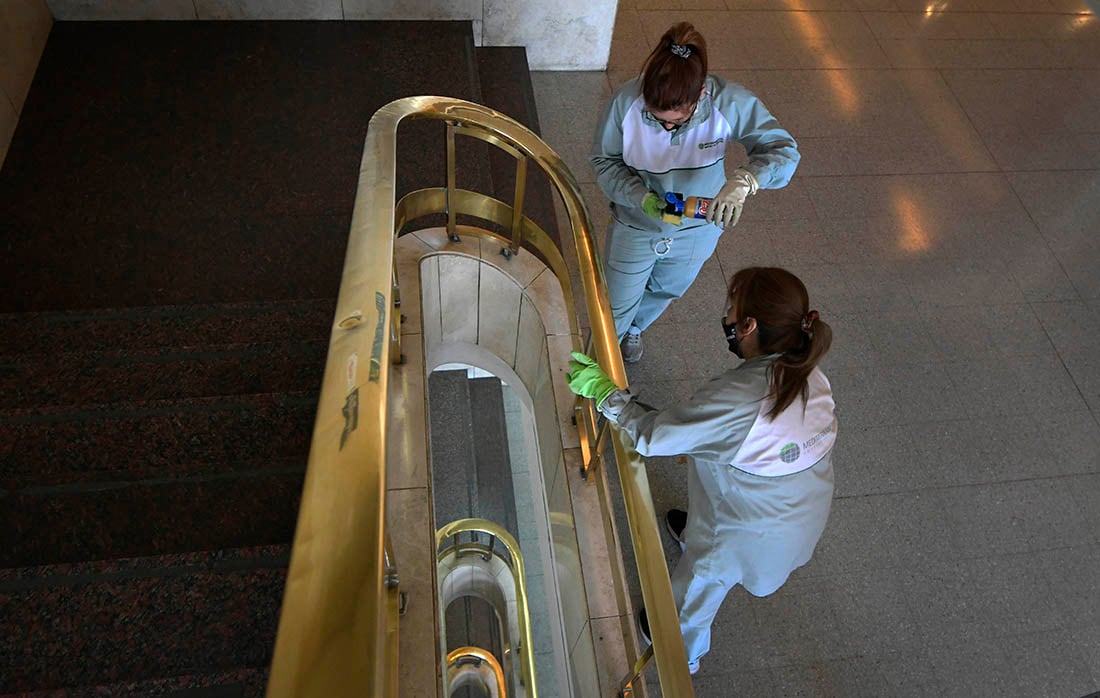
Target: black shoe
[643, 625]
[675, 522]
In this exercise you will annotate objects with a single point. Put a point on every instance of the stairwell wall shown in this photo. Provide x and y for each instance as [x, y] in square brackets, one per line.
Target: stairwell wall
[508, 316]
[558, 35]
[24, 27]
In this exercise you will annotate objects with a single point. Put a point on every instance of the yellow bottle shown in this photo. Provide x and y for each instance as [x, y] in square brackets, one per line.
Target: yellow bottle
[676, 207]
[696, 207]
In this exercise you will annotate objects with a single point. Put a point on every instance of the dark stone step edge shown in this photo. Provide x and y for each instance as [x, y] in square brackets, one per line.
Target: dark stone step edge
[451, 447]
[81, 379]
[245, 682]
[141, 521]
[160, 355]
[164, 326]
[129, 627]
[174, 565]
[137, 409]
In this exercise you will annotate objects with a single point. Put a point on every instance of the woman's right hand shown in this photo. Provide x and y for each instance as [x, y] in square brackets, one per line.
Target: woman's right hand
[652, 205]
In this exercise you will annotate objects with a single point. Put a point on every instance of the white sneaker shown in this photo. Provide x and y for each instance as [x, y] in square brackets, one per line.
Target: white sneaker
[631, 347]
[643, 625]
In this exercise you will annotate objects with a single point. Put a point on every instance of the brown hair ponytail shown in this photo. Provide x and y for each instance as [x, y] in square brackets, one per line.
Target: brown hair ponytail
[674, 73]
[786, 326]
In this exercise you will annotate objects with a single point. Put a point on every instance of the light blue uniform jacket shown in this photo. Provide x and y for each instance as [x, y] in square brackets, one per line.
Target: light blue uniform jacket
[633, 154]
[743, 527]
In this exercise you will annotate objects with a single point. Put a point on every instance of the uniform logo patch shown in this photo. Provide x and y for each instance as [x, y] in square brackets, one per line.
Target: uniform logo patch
[790, 453]
[711, 144]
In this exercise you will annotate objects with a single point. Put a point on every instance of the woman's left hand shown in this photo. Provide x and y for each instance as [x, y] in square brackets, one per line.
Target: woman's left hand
[725, 210]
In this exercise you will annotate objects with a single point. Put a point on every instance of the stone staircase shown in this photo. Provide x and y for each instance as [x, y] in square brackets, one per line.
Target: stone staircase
[173, 215]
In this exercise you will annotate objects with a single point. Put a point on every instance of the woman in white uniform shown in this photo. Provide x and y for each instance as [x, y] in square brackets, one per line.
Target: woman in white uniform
[667, 131]
[760, 436]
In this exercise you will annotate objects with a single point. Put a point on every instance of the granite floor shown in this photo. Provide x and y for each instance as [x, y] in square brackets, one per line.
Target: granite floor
[945, 218]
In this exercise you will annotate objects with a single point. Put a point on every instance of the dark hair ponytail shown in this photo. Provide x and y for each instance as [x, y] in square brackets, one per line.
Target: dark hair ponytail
[673, 75]
[779, 302]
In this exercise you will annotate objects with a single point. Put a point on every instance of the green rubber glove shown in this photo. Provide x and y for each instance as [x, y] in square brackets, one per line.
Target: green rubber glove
[587, 379]
[652, 205]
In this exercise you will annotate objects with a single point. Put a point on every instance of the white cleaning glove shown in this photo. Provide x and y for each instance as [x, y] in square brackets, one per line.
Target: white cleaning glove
[725, 210]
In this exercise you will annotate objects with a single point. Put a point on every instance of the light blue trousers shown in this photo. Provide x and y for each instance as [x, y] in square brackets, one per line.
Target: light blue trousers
[647, 270]
[744, 529]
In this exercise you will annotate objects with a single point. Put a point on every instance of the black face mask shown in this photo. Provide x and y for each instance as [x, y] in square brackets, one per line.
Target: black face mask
[731, 337]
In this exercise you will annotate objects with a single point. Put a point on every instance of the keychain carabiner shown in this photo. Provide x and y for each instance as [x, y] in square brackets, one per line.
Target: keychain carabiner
[662, 247]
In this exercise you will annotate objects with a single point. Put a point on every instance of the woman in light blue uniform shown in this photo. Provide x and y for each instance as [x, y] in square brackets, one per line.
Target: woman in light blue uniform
[667, 131]
[760, 436]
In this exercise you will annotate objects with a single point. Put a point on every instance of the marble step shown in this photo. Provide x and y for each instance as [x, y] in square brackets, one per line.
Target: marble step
[149, 517]
[165, 327]
[61, 379]
[220, 167]
[235, 683]
[143, 626]
[151, 439]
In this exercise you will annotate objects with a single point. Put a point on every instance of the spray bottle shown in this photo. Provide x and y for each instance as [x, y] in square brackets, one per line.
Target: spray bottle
[677, 206]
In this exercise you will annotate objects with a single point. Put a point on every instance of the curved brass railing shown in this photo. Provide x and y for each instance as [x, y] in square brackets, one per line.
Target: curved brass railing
[514, 562]
[460, 654]
[338, 623]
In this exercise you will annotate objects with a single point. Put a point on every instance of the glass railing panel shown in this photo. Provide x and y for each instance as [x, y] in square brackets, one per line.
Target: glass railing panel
[551, 659]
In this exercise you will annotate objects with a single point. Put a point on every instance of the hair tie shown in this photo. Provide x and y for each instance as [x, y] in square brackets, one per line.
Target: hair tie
[808, 322]
[681, 50]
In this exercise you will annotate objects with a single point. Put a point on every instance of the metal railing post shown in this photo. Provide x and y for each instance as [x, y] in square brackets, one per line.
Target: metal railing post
[452, 232]
[396, 319]
[517, 208]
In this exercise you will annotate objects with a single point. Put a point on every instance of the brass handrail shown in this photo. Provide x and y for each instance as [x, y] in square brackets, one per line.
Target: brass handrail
[515, 565]
[332, 638]
[460, 653]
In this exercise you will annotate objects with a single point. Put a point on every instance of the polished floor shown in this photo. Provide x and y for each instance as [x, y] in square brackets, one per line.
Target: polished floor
[946, 219]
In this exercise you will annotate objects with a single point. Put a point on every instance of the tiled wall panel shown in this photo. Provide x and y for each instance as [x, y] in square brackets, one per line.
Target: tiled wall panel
[498, 322]
[268, 9]
[90, 10]
[562, 35]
